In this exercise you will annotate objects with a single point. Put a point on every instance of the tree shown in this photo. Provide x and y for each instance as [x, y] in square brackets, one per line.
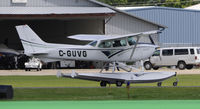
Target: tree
[115, 2]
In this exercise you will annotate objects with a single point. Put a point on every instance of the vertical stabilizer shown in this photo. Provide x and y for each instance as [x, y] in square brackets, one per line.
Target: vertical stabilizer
[30, 40]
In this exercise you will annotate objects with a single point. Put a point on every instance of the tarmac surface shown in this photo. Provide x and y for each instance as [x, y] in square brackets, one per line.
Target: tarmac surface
[46, 72]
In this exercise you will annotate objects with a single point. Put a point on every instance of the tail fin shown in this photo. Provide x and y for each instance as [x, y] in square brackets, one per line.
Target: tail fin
[30, 40]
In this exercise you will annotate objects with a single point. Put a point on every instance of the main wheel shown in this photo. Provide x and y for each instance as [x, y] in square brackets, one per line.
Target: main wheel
[181, 65]
[175, 83]
[147, 65]
[103, 83]
[159, 84]
[119, 84]
[189, 67]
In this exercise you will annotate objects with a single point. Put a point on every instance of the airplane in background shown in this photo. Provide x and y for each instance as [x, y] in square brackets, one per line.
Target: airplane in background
[105, 48]
[4, 50]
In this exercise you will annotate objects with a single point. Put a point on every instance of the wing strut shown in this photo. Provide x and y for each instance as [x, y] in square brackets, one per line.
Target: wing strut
[134, 47]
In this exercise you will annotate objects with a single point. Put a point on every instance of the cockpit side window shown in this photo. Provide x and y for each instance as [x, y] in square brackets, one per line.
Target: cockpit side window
[113, 43]
[131, 40]
[105, 44]
[93, 43]
[119, 43]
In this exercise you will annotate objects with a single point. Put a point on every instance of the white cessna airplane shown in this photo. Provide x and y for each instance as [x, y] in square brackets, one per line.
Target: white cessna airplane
[105, 48]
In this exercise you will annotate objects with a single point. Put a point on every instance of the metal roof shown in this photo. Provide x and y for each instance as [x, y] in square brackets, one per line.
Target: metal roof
[124, 12]
[54, 10]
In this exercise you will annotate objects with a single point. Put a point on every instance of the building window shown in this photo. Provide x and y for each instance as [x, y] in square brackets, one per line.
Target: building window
[19, 1]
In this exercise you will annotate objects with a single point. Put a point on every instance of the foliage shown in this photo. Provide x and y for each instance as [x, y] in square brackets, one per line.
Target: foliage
[164, 3]
[114, 2]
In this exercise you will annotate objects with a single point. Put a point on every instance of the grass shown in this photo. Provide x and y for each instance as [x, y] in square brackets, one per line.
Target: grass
[53, 81]
[163, 93]
[174, 93]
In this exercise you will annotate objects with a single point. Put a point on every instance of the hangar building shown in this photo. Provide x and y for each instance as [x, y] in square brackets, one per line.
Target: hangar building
[53, 20]
[183, 24]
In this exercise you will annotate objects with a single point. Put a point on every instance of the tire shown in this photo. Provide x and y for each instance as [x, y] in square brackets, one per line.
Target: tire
[181, 65]
[189, 67]
[103, 84]
[159, 84]
[119, 84]
[155, 68]
[147, 65]
[175, 84]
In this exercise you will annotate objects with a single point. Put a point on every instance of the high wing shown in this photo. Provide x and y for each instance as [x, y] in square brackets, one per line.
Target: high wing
[131, 77]
[86, 37]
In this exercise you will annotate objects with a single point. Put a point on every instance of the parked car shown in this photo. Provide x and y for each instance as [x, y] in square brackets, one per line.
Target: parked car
[181, 57]
[33, 63]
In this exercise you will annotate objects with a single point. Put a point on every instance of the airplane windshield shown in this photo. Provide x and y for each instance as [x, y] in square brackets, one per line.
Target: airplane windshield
[93, 43]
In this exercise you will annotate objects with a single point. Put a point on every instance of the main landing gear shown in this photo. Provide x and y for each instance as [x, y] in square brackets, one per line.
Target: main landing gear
[104, 83]
[159, 84]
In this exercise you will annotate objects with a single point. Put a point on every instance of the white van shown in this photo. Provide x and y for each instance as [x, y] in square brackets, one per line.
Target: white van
[181, 57]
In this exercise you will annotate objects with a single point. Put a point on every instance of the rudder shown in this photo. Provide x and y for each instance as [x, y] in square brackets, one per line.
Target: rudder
[30, 40]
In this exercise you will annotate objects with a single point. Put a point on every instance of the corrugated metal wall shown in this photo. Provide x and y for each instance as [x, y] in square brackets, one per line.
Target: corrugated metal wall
[123, 24]
[183, 25]
[47, 3]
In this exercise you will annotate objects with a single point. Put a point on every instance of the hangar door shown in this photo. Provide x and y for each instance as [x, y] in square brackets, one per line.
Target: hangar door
[52, 31]
[52, 24]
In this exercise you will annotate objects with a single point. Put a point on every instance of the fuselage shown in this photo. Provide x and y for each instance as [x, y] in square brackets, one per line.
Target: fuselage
[91, 53]
[121, 48]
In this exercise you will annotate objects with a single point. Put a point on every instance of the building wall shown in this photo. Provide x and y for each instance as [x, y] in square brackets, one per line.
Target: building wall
[119, 24]
[123, 24]
[183, 25]
[47, 3]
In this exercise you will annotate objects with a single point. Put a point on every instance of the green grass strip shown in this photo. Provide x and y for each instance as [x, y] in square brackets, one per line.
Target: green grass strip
[165, 93]
[149, 104]
[53, 81]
